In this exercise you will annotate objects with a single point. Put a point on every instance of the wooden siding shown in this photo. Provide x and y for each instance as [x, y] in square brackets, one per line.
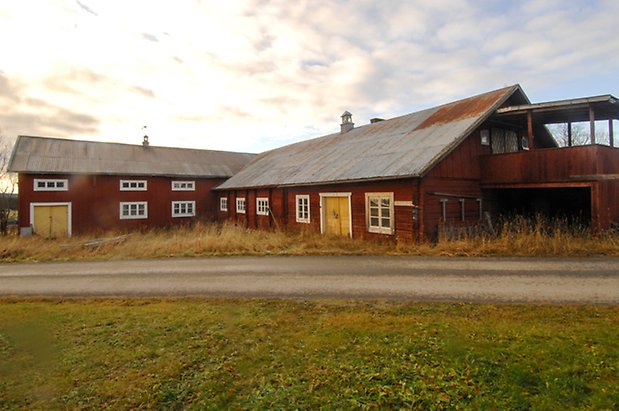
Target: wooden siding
[96, 201]
[283, 206]
[549, 165]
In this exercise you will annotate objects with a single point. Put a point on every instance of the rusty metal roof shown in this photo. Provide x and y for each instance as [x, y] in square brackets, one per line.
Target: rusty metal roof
[62, 156]
[406, 146]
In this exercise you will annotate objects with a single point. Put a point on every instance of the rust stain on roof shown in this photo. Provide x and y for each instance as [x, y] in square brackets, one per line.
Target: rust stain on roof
[462, 109]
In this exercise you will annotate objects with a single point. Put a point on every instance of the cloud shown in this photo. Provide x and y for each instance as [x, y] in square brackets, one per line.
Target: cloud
[86, 8]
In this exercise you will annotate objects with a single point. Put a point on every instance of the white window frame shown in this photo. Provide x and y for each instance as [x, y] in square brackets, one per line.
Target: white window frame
[183, 186]
[51, 184]
[302, 209]
[262, 206]
[241, 205]
[380, 229]
[444, 209]
[136, 183]
[136, 204]
[180, 212]
[223, 203]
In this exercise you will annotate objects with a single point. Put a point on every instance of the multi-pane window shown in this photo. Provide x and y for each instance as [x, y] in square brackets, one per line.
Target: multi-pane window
[51, 185]
[262, 206]
[380, 212]
[183, 208]
[303, 209]
[223, 203]
[183, 185]
[133, 185]
[137, 209]
[240, 205]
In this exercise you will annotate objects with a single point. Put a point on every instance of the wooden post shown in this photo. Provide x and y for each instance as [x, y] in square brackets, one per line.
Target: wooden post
[569, 134]
[530, 129]
[611, 137]
[592, 124]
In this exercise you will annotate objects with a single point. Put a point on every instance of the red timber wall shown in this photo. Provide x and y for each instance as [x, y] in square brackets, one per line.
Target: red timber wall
[95, 201]
[283, 206]
[608, 206]
[456, 181]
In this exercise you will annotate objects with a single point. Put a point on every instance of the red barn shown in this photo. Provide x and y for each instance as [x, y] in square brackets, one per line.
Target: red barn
[72, 187]
[446, 166]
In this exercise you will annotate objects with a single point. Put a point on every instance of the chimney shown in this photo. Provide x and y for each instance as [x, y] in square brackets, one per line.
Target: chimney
[376, 120]
[347, 123]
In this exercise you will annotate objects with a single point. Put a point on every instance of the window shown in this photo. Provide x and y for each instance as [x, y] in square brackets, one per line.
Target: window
[379, 211]
[133, 185]
[443, 209]
[183, 185]
[262, 206]
[223, 203]
[183, 208]
[51, 185]
[303, 209]
[138, 209]
[240, 205]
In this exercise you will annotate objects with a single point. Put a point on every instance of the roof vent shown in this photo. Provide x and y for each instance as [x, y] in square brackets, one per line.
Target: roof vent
[347, 123]
[145, 142]
[376, 120]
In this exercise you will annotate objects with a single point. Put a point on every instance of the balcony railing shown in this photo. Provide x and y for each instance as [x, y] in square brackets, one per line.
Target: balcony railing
[550, 165]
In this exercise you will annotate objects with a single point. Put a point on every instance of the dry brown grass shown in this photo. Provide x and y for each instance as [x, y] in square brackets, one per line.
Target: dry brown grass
[517, 238]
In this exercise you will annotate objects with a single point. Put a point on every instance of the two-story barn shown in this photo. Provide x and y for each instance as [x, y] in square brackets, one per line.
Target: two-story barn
[70, 187]
[405, 177]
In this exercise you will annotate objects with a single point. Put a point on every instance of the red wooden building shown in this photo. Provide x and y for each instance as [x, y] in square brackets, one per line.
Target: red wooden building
[72, 187]
[449, 165]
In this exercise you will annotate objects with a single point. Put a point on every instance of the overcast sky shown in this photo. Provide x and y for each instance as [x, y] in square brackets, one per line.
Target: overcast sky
[254, 75]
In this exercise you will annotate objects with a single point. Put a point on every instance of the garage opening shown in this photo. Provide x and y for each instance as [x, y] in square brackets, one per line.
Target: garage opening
[569, 203]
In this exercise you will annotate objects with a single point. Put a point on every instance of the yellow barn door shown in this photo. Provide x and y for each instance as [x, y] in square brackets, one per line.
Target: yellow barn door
[336, 214]
[51, 221]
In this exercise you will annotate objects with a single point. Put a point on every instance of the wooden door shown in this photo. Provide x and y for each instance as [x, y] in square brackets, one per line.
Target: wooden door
[336, 215]
[51, 221]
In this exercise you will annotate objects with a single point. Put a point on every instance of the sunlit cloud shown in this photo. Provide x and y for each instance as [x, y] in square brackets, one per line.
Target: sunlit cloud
[253, 75]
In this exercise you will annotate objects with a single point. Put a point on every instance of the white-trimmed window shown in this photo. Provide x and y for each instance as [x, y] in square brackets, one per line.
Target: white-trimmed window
[183, 208]
[133, 185]
[183, 186]
[262, 206]
[223, 203]
[303, 209]
[50, 185]
[240, 205]
[379, 211]
[135, 209]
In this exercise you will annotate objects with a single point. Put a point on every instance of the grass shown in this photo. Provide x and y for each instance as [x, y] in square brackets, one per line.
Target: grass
[517, 238]
[282, 354]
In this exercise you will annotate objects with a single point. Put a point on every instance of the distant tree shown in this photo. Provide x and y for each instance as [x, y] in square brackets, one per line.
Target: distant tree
[8, 183]
[580, 134]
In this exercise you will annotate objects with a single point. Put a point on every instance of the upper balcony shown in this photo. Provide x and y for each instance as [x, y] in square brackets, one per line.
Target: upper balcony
[551, 165]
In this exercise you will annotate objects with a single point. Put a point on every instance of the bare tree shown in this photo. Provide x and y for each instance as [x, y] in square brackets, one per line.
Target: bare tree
[580, 134]
[8, 183]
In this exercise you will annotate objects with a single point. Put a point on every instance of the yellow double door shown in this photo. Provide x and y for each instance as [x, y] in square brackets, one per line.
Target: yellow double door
[336, 214]
[51, 221]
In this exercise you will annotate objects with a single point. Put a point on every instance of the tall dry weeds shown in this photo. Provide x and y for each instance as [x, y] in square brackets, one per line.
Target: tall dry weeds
[515, 237]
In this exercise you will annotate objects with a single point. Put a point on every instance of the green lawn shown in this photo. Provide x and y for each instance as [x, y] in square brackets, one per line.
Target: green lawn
[282, 354]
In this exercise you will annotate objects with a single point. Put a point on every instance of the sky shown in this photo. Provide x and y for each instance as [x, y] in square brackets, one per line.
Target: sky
[253, 75]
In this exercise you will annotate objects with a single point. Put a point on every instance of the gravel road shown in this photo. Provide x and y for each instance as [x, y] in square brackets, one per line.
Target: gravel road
[517, 280]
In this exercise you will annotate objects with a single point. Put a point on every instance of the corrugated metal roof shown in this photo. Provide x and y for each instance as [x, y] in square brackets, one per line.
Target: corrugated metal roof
[405, 146]
[62, 156]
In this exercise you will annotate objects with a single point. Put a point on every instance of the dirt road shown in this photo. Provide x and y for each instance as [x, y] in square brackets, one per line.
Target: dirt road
[594, 280]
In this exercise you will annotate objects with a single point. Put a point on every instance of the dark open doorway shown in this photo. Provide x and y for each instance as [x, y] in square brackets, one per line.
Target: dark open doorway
[571, 203]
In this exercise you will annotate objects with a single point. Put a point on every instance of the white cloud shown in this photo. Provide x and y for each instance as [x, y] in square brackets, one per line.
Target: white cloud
[252, 75]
